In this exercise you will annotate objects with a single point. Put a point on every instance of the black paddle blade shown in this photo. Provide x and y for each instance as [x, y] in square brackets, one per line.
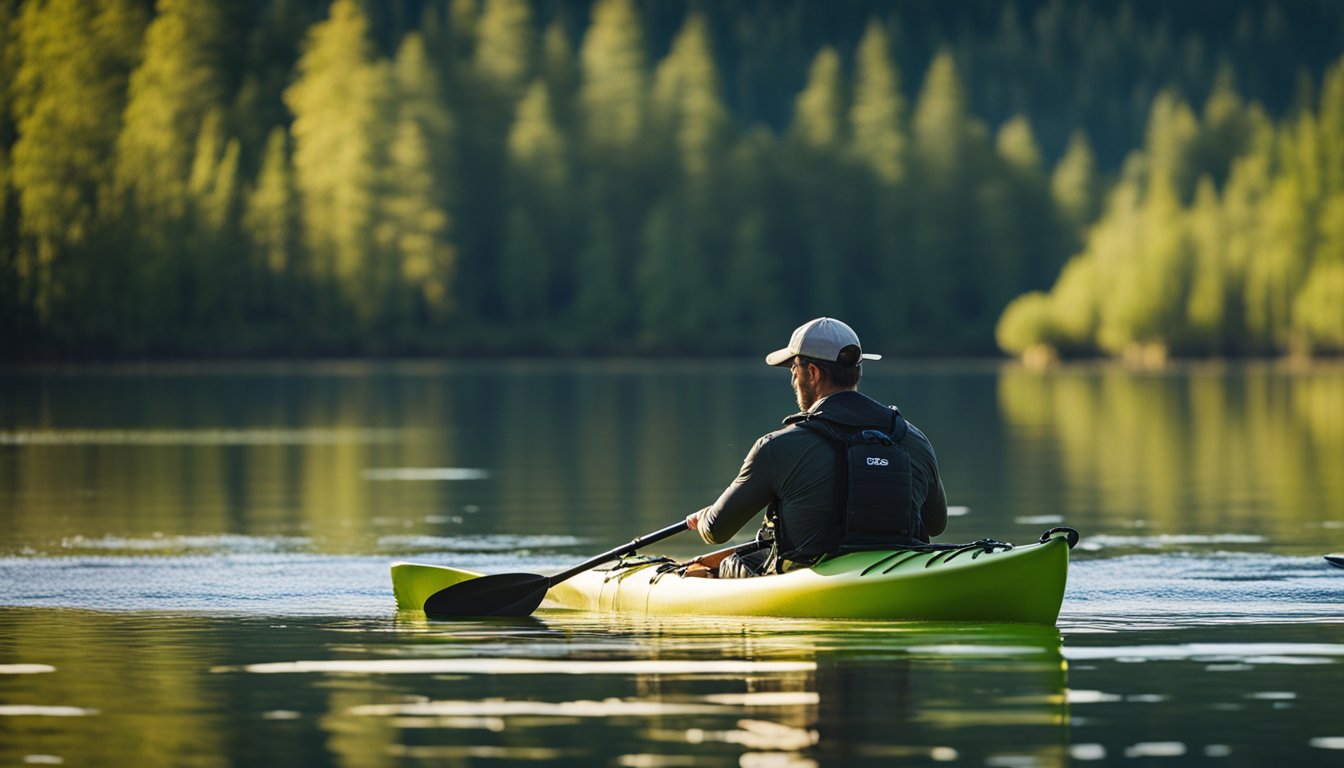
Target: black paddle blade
[1335, 560]
[502, 594]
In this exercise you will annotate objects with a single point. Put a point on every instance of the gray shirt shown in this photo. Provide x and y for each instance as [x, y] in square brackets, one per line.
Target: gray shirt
[797, 466]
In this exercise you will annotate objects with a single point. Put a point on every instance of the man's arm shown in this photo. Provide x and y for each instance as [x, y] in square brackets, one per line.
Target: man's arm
[747, 495]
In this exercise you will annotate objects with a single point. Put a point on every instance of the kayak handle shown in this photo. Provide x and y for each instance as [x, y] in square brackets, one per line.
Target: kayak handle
[1050, 534]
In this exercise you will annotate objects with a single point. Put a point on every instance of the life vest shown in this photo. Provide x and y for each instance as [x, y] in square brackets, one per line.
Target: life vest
[874, 504]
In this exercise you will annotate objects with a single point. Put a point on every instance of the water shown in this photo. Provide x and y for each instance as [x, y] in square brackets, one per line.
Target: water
[193, 570]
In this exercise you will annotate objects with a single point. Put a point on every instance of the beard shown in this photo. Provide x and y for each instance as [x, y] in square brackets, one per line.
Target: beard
[805, 393]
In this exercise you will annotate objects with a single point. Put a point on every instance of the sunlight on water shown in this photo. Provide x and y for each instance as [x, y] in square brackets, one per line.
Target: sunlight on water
[529, 667]
[497, 708]
[1250, 653]
[200, 437]
[25, 669]
[415, 474]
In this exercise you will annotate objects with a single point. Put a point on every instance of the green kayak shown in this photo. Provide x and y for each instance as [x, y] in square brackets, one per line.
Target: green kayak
[981, 582]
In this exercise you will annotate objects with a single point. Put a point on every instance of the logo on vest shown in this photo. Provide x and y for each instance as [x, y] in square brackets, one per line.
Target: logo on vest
[877, 461]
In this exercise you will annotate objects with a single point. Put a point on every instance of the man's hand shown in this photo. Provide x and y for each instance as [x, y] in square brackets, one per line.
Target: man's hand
[698, 569]
[693, 521]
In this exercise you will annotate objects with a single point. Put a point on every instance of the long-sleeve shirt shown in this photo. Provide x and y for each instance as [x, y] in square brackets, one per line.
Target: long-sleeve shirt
[797, 466]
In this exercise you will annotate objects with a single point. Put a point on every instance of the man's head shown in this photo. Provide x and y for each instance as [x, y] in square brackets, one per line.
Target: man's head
[824, 356]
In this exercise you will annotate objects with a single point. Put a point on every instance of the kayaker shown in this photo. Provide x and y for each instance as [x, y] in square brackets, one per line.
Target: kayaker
[844, 451]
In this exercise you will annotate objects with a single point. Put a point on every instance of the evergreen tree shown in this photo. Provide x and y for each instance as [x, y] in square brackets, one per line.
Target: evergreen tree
[1074, 183]
[756, 272]
[67, 92]
[818, 108]
[270, 218]
[560, 71]
[687, 106]
[415, 246]
[877, 114]
[215, 275]
[818, 181]
[682, 235]
[614, 89]
[1171, 141]
[537, 273]
[613, 119]
[176, 85]
[337, 111]
[505, 48]
[958, 287]
[1209, 308]
[942, 127]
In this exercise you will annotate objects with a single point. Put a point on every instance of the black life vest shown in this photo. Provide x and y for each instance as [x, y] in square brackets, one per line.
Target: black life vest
[874, 503]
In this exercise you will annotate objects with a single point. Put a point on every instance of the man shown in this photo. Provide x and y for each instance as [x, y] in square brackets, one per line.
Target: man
[845, 474]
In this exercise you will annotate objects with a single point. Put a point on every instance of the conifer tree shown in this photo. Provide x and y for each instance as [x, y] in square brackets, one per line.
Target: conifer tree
[270, 218]
[818, 180]
[614, 89]
[817, 110]
[537, 270]
[686, 105]
[612, 120]
[942, 129]
[75, 59]
[956, 290]
[415, 227]
[505, 48]
[336, 104]
[176, 85]
[560, 72]
[1208, 309]
[877, 114]
[1074, 183]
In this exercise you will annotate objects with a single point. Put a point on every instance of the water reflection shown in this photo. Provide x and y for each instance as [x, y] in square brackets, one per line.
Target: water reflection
[673, 692]
[577, 689]
[343, 455]
[1251, 450]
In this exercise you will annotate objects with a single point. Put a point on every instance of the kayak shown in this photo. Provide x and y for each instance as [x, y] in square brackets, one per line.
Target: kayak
[986, 581]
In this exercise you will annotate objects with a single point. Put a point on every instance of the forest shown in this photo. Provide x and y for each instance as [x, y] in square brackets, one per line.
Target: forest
[1043, 178]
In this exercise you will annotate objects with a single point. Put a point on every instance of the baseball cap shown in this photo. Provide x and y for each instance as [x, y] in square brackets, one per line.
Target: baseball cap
[821, 339]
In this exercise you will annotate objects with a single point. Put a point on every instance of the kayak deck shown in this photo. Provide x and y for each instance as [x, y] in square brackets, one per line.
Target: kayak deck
[975, 583]
[1022, 584]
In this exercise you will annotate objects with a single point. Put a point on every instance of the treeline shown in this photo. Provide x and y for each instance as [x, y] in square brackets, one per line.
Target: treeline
[503, 176]
[1240, 256]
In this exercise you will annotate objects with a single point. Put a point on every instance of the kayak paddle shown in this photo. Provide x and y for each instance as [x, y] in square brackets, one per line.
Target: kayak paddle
[1335, 560]
[519, 594]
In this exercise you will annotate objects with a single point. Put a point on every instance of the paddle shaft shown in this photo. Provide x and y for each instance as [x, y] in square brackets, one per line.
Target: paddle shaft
[624, 549]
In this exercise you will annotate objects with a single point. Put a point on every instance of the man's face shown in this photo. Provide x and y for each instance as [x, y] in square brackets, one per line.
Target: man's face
[804, 383]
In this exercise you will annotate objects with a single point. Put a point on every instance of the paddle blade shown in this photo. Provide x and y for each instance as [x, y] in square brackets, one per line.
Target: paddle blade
[1335, 560]
[501, 594]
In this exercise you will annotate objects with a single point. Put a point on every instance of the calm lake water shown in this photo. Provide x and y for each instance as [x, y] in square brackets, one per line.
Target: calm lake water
[193, 570]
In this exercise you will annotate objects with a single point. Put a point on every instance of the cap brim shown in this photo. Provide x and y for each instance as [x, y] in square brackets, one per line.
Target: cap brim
[780, 357]
[870, 356]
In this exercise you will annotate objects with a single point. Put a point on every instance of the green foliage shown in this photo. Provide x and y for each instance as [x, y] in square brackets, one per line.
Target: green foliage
[1074, 183]
[70, 85]
[513, 175]
[176, 85]
[1183, 264]
[338, 114]
[877, 115]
